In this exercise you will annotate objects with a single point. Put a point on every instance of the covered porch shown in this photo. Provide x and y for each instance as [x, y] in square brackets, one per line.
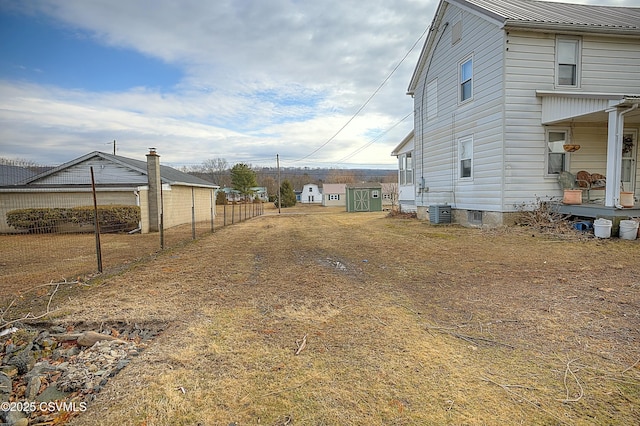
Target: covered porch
[602, 140]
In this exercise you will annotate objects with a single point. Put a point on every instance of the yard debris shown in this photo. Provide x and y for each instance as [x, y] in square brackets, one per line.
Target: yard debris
[568, 371]
[301, 345]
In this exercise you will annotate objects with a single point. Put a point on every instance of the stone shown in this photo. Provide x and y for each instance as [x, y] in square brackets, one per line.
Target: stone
[5, 387]
[9, 370]
[89, 338]
[41, 368]
[51, 393]
[33, 387]
[58, 329]
[16, 418]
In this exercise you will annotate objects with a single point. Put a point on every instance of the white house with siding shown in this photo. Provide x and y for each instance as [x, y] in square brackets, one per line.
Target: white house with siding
[311, 194]
[501, 86]
[406, 179]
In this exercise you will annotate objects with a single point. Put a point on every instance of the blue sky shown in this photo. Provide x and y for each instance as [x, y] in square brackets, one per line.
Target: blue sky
[241, 80]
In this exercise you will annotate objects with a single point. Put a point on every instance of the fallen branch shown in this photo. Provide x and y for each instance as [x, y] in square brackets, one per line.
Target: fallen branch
[29, 316]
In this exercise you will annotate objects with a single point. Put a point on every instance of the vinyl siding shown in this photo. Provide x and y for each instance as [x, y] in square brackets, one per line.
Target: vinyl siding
[481, 118]
[610, 65]
[607, 65]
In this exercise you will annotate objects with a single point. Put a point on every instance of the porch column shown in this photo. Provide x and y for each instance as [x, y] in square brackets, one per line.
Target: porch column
[614, 158]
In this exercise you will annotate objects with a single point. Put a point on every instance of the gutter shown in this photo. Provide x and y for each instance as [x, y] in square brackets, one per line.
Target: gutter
[575, 29]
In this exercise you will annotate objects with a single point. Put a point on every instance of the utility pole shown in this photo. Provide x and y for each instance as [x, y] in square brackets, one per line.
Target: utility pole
[279, 195]
[114, 147]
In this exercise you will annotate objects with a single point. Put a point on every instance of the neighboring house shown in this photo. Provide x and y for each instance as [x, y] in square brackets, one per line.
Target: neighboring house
[364, 197]
[333, 194]
[310, 194]
[502, 88]
[260, 193]
[406, 180]
[232, 195]
[390, 194]
[118, 180]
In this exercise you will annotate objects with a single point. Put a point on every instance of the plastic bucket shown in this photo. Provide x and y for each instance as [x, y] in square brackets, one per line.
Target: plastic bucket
[628, 229]
[602, 228]
[582, 226]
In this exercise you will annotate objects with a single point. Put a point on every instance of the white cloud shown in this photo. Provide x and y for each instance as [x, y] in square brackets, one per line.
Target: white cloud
[281, 75]
[260, 78]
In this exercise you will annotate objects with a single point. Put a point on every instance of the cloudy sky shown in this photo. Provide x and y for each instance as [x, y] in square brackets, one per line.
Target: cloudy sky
[322, 83]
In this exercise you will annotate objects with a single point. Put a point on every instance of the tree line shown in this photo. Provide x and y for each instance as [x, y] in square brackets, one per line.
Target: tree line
[219, 172]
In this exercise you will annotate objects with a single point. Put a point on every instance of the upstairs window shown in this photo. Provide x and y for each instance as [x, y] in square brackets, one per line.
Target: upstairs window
[567, 61]
[466, 80]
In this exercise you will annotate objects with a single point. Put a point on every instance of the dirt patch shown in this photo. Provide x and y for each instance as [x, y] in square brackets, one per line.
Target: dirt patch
[403, 323]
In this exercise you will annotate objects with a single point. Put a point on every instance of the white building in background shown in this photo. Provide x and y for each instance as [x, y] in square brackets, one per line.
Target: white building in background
[311, 194]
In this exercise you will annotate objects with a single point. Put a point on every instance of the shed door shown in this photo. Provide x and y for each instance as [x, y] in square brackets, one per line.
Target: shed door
[361, 200]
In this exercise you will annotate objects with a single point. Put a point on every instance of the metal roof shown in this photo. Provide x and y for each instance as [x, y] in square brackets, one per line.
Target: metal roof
[576, 16]
[167, 174]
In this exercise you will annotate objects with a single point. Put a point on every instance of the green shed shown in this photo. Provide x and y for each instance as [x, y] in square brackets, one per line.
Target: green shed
[364, 197]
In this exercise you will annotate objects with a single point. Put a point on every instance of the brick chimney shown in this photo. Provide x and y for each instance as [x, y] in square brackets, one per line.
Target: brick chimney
[155, 190]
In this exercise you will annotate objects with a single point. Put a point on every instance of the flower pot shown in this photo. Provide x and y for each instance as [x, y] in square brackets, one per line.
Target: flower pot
[626, 199]
[572, 196]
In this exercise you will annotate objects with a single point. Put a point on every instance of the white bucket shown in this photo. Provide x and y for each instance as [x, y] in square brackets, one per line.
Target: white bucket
[602, 228]
[628, 229]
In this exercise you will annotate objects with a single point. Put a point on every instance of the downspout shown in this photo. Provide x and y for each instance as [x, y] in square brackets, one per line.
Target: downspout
[136, 193]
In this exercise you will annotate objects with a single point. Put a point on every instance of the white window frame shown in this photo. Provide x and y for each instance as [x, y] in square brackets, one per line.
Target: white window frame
[462, 82]
[375, 194]
[405, 169]
[557, 149]
[464, 156]
[577, 41]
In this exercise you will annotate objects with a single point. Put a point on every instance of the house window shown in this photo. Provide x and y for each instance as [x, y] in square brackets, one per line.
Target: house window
[375, 194]
[556, 156]
[567, 61]
[432, 99]
[466, 80]
[310, 189]
[405, 168]
[334, 197]
[466, 156]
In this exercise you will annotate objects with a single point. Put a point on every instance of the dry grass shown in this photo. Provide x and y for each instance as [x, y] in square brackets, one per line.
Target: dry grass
[405, 323]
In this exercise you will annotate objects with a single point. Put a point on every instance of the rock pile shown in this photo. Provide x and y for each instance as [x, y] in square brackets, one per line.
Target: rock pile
[49, 375]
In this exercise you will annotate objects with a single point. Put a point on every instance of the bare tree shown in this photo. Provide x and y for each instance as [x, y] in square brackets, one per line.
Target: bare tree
[218, 169]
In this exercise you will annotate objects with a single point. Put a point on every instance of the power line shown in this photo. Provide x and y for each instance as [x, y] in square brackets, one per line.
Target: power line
[376, 139]
[368, 99]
